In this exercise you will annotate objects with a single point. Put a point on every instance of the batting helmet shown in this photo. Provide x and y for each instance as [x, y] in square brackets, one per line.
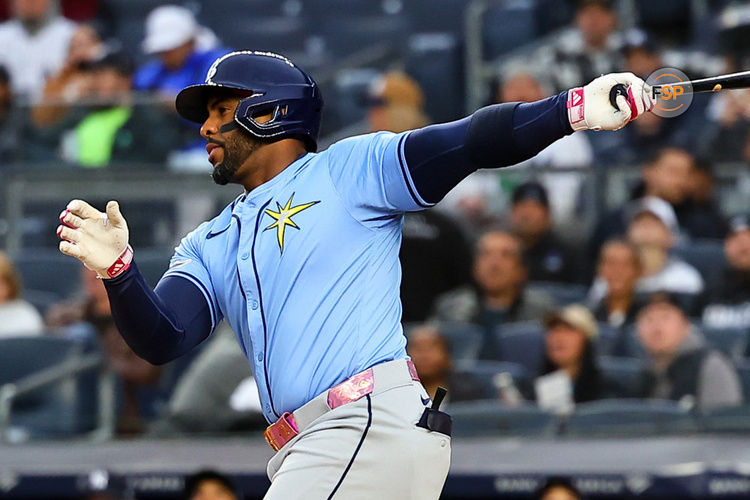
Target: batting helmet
[277, 87]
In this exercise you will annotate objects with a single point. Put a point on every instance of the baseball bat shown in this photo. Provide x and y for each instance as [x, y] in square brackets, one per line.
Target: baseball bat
[739, 80]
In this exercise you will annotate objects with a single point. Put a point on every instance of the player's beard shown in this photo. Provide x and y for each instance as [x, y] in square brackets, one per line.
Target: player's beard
[237, 149]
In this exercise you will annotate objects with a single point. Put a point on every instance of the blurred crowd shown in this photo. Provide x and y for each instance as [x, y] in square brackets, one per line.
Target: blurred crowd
[506, 295]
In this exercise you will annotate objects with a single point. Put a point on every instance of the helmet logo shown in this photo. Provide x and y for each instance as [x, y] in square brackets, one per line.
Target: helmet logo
[211, 73]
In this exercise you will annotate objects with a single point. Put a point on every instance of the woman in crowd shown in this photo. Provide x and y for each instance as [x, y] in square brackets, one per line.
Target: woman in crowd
[17, 317]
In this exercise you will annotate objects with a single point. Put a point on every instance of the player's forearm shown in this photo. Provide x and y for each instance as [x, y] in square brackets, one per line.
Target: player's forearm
[440, 156]
[159, 325]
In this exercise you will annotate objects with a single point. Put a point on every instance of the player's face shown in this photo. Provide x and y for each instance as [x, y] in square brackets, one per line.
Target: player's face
[619, 268]
[737, 249]
[662, 327]
[565, 345]
[213, 490]
[227, 152]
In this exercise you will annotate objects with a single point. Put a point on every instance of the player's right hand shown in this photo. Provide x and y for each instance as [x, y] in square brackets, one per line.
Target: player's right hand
[589, 107]
[98, 239]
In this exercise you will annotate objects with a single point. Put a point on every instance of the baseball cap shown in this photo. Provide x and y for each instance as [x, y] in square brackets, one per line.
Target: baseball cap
[739, 223]
[531, 191]
[395, 89]
[661, 209]
[638, 39]
[168, 27]
[575, 315]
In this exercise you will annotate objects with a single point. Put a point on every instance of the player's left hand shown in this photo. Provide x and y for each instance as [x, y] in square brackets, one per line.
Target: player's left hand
[98, 239]
[589, 107]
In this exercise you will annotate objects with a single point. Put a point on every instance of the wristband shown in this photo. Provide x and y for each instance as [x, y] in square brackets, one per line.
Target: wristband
[121, 265]
[575, 109]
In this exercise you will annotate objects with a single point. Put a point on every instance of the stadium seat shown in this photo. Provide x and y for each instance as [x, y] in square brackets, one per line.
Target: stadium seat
[465, 339]
[705, 255]
[484, 372]
[563, 293]
[727, 419]
[282, 34]
[731, 341]
[437, 15]
[743, 370]
[613, 417]
[521, 343]
[344, 36]
[493, 418]
[435, 62]
[49, 271]
[499, 35]
[620, 374]
[63, 408]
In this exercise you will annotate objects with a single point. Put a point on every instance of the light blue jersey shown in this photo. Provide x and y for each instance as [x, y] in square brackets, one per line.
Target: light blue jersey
[305, 268]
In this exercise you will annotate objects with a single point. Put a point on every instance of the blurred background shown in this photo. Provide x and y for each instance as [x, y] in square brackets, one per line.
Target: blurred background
[588, 310]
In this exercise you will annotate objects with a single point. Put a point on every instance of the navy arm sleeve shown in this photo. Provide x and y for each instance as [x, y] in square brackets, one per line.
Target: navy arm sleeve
[440, 156]
[161, 324]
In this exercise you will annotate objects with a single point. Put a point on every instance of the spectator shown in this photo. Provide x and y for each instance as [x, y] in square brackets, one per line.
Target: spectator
[652, 230]
[74, 81]
[558, 488]
[569, 374]
[11, 120]
[435, 258]
[500, 294]
[396, 104]
[91, 318]
[669, 176]
[589, 49]
[182, 58]
[172, 34]
[431, 353]
[17, 317]
[729, 300]
[619, 268]
[211, 485]
[115, 130]
[572, 151]
[679, 365]
[34, 44]
[205, 398]
[546, 257]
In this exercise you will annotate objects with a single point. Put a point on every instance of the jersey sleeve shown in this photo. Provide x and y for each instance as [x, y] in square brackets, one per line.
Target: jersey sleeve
[187, 262]
[369, 173]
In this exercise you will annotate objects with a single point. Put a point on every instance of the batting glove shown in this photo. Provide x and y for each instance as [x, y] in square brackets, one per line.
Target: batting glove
[589, 107]
[99, 240]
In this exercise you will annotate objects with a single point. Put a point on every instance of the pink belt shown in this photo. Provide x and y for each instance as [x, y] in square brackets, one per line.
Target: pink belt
[356, 387]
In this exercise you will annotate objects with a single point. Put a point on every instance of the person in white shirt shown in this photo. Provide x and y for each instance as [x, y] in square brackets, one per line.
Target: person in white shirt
[17, 317]
[35, 42]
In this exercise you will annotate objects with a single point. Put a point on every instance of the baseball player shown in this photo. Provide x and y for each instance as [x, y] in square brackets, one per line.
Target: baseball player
[304, 265]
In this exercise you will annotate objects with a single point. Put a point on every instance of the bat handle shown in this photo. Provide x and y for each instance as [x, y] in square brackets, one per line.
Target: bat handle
[618, 89]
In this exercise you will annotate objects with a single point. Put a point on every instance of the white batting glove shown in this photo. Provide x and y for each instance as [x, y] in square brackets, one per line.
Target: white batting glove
[589, 107]
[99, 240]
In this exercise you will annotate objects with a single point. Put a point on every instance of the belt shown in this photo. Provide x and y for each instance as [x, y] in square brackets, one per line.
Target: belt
[382, 377]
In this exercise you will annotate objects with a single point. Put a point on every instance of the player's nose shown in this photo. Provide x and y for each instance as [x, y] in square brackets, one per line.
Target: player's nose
[210, 127]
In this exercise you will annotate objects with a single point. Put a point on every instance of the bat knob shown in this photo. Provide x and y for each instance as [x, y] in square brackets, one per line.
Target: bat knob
[618, 89]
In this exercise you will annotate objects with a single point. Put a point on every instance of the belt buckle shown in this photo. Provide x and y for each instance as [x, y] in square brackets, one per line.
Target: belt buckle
[281, 432]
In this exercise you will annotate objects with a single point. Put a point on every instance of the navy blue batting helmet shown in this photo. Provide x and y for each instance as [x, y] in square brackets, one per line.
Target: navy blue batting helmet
[277, 86]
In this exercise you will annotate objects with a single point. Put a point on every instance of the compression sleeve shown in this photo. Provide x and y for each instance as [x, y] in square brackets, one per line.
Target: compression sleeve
[440, 156]
[161, 324]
